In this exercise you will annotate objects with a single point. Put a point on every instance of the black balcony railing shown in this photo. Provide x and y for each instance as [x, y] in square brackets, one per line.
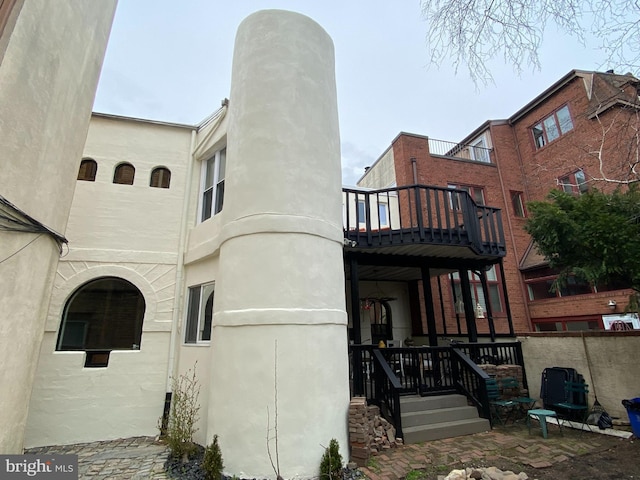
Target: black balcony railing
[421, 214]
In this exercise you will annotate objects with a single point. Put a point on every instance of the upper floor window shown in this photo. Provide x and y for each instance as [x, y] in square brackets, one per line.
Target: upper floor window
[575, 182]
[479, 151]
[213, 171]
[552, 127]
[477, 292]
[124, 174]
[541, 285]
[362, 216]
[518, 204]
[160, 177]
[88, 170]
[103, 314]
[456, 200]
[199, 314]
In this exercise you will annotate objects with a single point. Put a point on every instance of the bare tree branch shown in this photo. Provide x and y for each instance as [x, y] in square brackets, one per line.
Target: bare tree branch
[472, 32]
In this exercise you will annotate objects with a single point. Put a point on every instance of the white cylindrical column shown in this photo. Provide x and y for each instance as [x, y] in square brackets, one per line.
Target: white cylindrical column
[281, 274]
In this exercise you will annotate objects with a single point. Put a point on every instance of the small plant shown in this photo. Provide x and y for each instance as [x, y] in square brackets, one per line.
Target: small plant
[373, 464]
[331, 464]
[184, 415]
[416, 475]
[212, 462]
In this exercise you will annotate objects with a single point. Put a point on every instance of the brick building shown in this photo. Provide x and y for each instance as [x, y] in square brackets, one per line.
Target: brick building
[578, 134]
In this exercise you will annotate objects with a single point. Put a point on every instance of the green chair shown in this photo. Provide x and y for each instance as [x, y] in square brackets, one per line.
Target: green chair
[576, 407]
[501, 410]
[512, 385]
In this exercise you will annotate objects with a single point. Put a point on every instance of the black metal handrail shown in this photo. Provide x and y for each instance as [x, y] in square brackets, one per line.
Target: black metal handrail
[384, 374]
[421, 214]
[470, 381]
[388, 391]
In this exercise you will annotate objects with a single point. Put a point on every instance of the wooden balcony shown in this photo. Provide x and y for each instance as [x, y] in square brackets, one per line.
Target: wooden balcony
[421, 220]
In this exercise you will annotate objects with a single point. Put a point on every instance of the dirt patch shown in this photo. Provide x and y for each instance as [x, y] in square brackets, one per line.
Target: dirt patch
[618, 460]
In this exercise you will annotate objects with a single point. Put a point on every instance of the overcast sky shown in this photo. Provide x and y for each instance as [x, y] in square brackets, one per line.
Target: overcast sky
[171, 61]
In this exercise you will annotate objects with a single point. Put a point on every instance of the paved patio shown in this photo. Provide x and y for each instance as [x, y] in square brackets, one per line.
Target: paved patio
[512, 444]
[143, 458]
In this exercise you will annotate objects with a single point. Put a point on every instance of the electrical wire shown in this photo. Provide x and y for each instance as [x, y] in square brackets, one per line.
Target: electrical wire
[13, 219]
[20, 249]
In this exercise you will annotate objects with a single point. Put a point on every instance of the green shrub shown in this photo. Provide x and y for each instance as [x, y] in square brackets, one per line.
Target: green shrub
[184, 415]
[331, 464]
[212, 462]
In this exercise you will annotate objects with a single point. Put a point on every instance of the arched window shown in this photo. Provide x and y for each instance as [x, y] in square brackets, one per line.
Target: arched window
[88, 169]
[124, 174]
[160, 177]
[103, 314]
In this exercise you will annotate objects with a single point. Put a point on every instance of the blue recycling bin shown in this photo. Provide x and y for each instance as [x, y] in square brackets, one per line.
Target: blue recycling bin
[633, 410]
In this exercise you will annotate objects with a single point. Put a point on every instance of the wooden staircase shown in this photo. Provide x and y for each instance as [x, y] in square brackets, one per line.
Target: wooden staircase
[436, 417]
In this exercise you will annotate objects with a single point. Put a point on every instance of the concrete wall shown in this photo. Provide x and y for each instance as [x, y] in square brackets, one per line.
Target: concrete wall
[48, 76]
[382, 173]
[611, 369]
[131, 232]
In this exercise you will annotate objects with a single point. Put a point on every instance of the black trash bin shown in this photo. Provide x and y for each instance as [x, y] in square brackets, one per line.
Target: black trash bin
[633, 410]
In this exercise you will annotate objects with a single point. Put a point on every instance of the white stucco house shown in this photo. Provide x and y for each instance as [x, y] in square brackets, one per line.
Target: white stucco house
[231, 247]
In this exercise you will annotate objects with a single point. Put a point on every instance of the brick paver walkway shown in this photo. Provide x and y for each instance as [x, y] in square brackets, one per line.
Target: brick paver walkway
[143, 458]
[508, 444]
[138, 458]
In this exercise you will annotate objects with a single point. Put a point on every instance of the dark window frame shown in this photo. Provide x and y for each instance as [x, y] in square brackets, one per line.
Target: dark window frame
[124, 174]
[102, 314]
[88, 170]
[199, 314]
[160, 178]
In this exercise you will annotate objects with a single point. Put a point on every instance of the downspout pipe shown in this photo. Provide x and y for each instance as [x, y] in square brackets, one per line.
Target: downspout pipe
[178, 296]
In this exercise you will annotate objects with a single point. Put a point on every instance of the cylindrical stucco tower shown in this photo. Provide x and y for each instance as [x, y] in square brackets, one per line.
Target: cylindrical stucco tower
[279, 343]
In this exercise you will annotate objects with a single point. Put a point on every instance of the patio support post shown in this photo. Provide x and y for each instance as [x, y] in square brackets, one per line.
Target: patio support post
[487, 302]
[358, 387]
[428, 304]
[469, 311]
[506, 299]
[442, 311]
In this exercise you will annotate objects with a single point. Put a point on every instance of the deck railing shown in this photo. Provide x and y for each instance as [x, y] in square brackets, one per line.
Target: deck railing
[381, 374]
[462, 151]
[421, 214]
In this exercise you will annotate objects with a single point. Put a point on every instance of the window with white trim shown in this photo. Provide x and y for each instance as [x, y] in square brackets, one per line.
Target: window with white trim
[479, 151]
[477, 292]
[552, 127]
[383, 215]
[199, 314]
[213, 172]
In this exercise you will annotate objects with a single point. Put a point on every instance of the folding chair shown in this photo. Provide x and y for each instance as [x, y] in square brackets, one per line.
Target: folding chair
[511, 385]
[576, 404]
[500, 409]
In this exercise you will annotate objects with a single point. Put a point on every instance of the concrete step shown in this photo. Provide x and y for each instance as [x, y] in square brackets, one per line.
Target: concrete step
[441, 430]
[416, 403]
[431, 417]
